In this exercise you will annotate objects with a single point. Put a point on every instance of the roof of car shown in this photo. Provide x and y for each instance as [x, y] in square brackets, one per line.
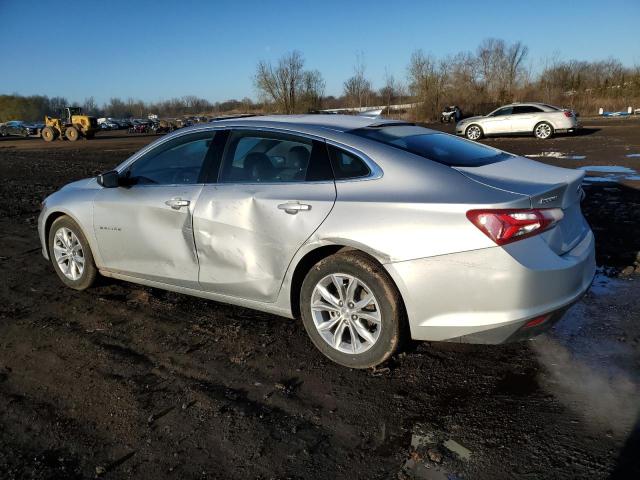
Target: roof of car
[340, 123]
[538, 104]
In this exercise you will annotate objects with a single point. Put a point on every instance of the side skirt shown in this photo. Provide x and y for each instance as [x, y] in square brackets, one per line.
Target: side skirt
[240, 302]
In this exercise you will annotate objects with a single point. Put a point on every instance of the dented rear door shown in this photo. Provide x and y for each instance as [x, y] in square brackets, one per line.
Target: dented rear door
[246, 239]
[267, 201]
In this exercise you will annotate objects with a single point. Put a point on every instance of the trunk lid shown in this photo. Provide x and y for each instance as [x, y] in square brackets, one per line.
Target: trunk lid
[547, 187]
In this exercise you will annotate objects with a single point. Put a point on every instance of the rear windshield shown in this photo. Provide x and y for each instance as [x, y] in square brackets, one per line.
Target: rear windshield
[438, 147]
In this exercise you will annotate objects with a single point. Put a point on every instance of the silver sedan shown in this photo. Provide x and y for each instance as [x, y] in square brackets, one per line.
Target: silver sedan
[538, 119]
[370, 231]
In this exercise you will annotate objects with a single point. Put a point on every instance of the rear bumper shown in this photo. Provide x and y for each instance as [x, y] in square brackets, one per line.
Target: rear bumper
[568, 130]
[489, 295]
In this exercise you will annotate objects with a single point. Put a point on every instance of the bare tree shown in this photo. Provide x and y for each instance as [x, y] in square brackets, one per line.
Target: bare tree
[389, 91]
[515, 55]
[500, 66]
[313, 86]
[427, 79]
[357, 89]
[282, 84]
[89, 106]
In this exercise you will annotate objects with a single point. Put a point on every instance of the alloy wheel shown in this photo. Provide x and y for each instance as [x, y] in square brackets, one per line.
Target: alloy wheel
[543, 131]
[68, 253]
[346, 313]
[474, 132]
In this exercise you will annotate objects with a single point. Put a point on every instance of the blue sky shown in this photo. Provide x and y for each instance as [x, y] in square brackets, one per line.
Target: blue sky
[158, 50]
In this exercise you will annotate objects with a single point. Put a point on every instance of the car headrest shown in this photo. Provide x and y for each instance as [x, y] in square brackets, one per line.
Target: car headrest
[258, 167]
[298, 157]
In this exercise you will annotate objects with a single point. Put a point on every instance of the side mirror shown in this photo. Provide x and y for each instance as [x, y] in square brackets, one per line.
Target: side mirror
[109, 179]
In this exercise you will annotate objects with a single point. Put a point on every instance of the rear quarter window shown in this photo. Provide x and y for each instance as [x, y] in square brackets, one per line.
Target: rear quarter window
[346, 165]
[439, 147]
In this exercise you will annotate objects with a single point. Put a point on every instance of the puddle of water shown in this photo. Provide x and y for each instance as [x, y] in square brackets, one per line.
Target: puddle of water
[557, 155]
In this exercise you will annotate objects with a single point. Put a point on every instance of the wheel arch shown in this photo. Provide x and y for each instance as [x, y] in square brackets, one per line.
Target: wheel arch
[52, 217]
[548, 122]
[312, 257]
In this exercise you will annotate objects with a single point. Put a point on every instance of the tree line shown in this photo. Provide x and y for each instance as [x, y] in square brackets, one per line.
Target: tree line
[35, 107]
[496, 73]
[477, 81]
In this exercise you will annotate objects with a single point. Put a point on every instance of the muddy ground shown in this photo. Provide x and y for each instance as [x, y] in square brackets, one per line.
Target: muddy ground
[122, 381]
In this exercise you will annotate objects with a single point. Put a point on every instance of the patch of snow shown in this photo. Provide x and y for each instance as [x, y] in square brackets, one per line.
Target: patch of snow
[608, 169]
[559, 155]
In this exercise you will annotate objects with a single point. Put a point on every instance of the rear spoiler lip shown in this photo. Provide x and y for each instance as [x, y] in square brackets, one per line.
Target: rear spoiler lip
[541, 194]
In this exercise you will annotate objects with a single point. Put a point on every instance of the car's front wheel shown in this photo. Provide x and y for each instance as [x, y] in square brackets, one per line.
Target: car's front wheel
[543, 131]
[70, 254]
[351, 310]
[473, 132]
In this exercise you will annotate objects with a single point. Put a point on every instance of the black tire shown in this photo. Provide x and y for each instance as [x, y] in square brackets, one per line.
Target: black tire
[25, 133]
[393, 325]
[541, 127]
[48, 134]
[469, 132]
[90, 271]
[72, 134]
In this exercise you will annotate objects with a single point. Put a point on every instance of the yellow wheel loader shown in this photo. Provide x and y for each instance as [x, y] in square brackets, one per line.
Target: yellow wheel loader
[71, 124]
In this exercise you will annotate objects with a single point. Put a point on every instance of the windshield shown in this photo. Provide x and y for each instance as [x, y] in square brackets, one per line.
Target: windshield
[439, 147]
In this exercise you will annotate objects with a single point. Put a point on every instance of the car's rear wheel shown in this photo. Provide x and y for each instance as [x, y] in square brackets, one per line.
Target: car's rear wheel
[352, 310]
[70, 254]
[473, 132]
[543, 130]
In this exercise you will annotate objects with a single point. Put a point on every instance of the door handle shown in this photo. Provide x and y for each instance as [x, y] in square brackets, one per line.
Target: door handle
[177, 203]
[294, 207]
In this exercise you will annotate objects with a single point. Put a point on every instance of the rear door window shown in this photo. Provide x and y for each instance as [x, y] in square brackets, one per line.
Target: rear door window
[273, 157]
[526, 109]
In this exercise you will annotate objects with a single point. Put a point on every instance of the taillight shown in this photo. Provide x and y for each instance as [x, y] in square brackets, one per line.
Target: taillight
[568, 114]
[506, 226]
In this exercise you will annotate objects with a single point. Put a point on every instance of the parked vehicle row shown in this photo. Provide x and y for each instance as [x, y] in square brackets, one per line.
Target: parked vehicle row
[538, 119]
[109, 123]
[20, 128]
[368, 230]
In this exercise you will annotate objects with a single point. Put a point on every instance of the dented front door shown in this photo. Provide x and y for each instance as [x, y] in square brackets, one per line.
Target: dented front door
[247, 234]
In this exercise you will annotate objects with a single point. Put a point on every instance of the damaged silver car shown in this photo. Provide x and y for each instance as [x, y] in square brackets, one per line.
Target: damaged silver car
[370, 231]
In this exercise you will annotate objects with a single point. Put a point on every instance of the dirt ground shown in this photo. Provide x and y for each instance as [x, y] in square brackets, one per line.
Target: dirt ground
[123, 381]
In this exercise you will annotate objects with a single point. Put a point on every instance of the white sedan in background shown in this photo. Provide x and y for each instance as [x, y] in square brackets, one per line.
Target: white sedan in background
[539, 119]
